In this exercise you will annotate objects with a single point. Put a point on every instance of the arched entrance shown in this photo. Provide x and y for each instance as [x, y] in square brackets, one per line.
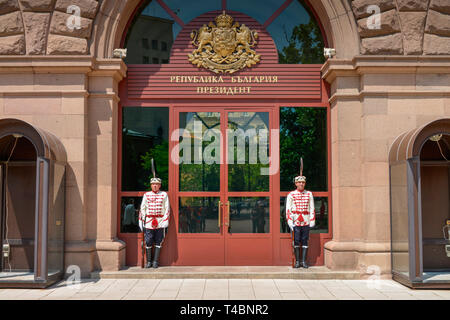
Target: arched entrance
[222, 213]
[343, 35]
[32, 182]
[420, 205]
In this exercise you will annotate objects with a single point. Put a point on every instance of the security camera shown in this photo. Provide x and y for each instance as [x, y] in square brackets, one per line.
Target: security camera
[120, 53]
[329, 52]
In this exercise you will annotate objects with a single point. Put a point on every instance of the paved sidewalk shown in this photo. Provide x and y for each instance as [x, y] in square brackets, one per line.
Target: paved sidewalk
[228, 272]
[225, 289]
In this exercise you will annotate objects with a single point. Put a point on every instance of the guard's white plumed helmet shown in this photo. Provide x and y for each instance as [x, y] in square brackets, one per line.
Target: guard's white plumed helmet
[155, 180]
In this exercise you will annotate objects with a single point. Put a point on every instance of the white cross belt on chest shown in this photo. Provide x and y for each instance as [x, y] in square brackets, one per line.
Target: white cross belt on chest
[301, 202]
[155, 205]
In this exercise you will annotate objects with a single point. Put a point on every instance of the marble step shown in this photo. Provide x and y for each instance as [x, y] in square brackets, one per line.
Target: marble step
[227, 272]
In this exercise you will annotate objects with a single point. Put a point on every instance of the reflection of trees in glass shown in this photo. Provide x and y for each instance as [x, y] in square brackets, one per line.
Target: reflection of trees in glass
[144, 135]
[160, 154]
[303, 133]
[199, 177]
[305, 45]
[134, 146]
[247, 177]
[204, 176]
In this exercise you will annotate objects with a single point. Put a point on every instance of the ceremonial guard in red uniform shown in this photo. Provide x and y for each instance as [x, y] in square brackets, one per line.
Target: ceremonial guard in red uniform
[154, 220]
[300, 216]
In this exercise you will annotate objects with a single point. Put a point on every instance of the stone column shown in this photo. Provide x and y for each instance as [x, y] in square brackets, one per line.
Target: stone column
[347, 197]
[103, 132]
[374, 100]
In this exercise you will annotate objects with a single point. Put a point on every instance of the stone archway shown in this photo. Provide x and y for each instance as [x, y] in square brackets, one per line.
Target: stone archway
[336, 17]
[40, 27]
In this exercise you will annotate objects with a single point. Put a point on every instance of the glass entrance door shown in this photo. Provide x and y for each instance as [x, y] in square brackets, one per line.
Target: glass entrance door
[224, 195]
[248, 239]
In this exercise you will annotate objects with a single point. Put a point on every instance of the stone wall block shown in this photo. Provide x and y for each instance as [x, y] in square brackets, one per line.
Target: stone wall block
[8, 6]
[11, 24]
[374, 105]
[349, 120]
[386, 82]
[88, 7]
[413, 5]
[12, 45]
[438, 23]
[433, 82]
[389, 25]
[391, 44]
[59, 26]
[36, 26]
[436, 45]
[35, 106]
[413, 25]
[441, 6]
[359, 7]
[37, 5]
[62, 45]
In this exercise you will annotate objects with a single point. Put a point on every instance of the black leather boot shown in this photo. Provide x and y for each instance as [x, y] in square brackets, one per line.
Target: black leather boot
[297, 257]
[155, 259]
[304, 255]
[148, 253]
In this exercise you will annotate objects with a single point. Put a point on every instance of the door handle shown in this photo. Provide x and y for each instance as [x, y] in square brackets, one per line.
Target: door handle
[227, 221]
[220, 208]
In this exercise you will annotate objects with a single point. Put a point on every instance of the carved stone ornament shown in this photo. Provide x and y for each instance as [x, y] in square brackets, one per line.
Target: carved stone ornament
[224, 47]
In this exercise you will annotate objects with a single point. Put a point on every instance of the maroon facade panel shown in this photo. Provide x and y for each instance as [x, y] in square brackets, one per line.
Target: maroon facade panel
[181, 79]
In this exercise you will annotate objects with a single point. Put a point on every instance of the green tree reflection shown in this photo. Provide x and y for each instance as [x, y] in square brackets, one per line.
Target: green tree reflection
[247, 177]
[160, 153]
[199, 177]
[303, 133]
[305, 45]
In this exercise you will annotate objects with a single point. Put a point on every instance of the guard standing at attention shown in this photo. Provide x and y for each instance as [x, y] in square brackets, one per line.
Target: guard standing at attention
[300, 216]
[154, 219]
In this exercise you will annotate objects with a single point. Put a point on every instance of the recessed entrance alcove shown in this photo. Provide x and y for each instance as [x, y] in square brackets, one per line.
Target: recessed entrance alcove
[32, 184]
[420, 206]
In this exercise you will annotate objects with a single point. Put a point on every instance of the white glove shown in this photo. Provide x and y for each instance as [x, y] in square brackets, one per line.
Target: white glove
[291, 225]
[140, 225]
[312, 224]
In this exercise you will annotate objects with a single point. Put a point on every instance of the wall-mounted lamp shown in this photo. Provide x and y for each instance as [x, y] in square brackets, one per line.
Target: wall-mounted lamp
[120, 53]
[436, 137]
[329, 52]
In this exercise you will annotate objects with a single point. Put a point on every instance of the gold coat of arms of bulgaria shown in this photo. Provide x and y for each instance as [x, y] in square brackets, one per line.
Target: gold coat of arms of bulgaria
[224, 47]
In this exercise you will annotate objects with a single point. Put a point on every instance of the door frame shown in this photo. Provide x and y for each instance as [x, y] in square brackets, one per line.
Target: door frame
[280, 241]
[190, 243]
[254, 242]
[226, 238]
